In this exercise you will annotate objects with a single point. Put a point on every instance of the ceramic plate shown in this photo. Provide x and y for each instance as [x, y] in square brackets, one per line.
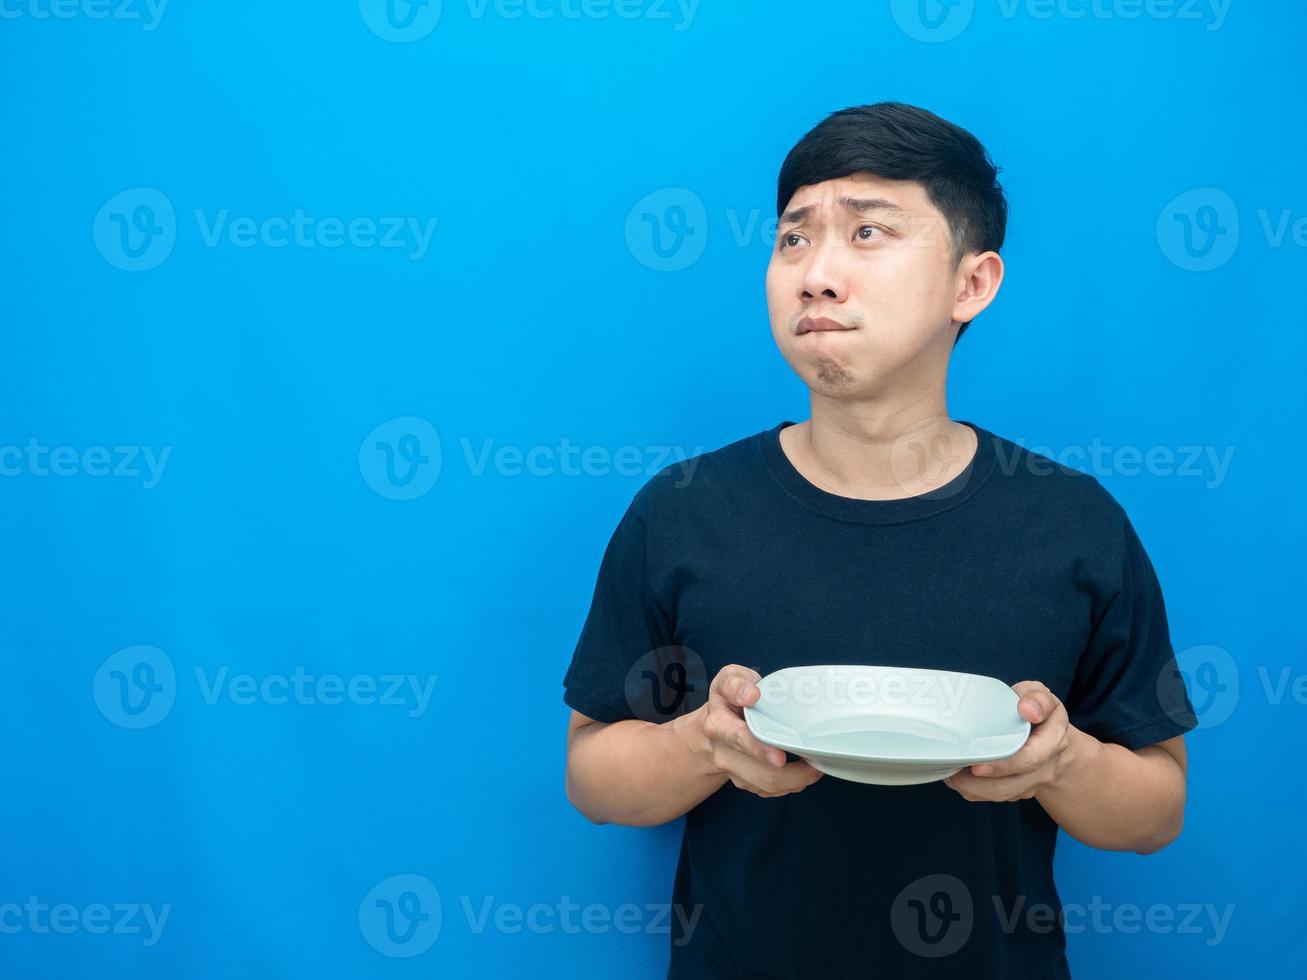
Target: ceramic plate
[893, 726]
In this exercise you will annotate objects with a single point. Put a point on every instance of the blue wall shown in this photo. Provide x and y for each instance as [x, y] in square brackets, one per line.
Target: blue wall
[295, 462]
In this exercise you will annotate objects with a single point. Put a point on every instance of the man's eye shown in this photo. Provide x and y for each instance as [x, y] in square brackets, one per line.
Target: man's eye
[870, 228]
[793, 238]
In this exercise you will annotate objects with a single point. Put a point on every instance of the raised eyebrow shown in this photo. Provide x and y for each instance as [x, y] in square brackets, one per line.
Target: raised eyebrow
[858, 205]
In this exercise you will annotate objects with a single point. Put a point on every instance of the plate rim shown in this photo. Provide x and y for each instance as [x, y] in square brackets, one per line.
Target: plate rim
[800, 749]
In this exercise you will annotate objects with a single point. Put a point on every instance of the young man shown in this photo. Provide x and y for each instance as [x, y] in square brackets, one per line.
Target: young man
[879, 531]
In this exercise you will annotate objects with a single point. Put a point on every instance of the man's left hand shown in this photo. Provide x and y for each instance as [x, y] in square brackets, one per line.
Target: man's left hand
[1035, 766]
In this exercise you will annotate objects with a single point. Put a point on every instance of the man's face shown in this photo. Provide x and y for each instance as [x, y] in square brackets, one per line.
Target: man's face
[875, 257]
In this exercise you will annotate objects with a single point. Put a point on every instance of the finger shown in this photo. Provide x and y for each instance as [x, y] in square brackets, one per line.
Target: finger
[780, 782]
[789, 778]
[1027, 760]
[736, 685]
[1025, 687]
[1037, 703]
[731, 731]
[1033, 709]
[739, 782]
[990, 790]
[1037, 751]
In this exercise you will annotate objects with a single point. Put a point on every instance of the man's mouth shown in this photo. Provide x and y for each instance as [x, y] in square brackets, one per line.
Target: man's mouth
[818, 324]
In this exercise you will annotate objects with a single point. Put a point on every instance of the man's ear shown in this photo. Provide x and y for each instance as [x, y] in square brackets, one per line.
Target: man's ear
[978, 278]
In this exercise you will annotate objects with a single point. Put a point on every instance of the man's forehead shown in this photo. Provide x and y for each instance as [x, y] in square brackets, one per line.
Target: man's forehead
[848, 193]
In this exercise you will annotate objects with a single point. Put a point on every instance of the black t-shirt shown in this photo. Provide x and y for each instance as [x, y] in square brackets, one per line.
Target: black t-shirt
[1018, 568]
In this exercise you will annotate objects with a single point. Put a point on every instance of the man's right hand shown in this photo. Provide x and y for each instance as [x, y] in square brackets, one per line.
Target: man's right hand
[731, 748]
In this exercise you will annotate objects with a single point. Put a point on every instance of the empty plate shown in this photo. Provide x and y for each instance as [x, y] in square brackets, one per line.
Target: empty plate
[893, 726]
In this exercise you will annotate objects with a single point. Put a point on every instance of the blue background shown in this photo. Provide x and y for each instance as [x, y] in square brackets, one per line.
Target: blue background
[276, 537]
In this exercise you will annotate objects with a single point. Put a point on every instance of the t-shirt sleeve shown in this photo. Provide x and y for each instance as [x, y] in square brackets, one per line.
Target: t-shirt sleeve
[626, 632]
[1128, 689]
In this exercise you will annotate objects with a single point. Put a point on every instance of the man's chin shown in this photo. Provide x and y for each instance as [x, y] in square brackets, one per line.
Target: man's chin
[834, 378]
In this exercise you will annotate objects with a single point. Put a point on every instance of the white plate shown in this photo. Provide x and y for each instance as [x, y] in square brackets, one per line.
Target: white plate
[893, 726]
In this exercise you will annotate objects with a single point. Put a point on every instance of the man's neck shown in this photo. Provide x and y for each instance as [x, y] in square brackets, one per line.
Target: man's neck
[877, 451]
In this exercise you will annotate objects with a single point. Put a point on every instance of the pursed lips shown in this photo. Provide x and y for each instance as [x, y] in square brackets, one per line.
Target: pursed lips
[820, 324]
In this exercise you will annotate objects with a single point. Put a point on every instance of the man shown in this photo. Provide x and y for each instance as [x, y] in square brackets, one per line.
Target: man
[879, 531]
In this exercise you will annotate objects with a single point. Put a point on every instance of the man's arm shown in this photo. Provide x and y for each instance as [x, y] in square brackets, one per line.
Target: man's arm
[1120, 799]
[635, 772]
[642, 774]
[1103, 795]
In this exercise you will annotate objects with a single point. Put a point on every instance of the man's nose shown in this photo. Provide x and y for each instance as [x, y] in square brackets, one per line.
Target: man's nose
[823, 275]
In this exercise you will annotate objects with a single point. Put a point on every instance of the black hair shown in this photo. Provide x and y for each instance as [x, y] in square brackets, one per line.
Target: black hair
[903, 142]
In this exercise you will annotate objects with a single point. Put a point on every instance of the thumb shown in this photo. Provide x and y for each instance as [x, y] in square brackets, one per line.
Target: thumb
[1031, 710]
[737, 685]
